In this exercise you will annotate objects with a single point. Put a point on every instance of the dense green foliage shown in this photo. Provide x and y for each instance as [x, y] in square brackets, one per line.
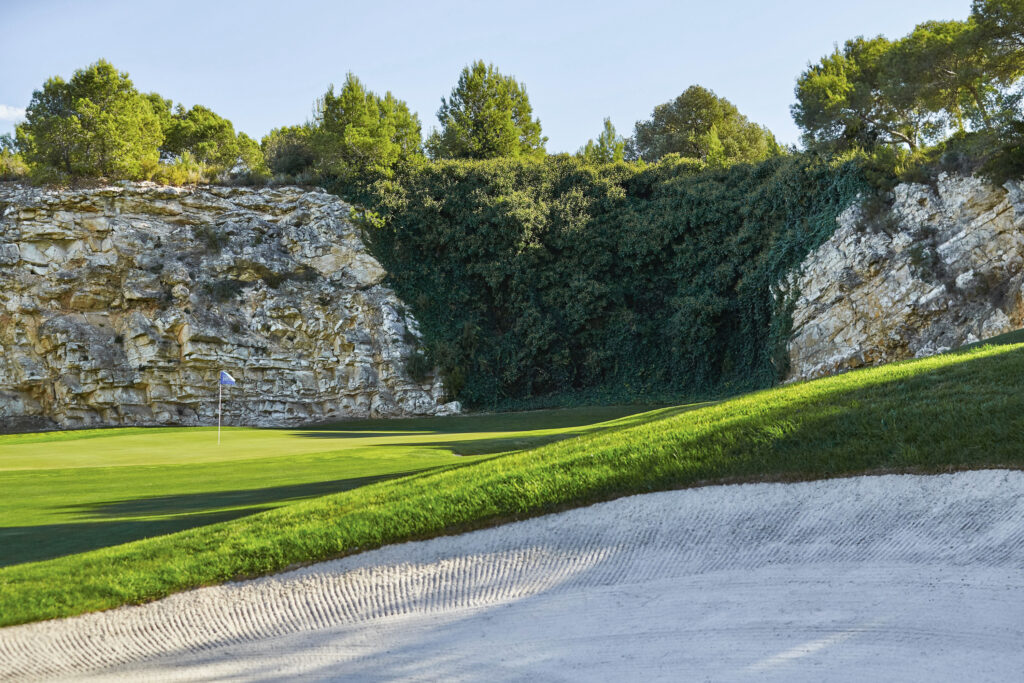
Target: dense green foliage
[210, 139]
[551, 275]
[701, 125]
[12, 166]
[289, 151]
[893, 98]
[935, 415]
[96, 124]
[487, 116]
[609, 147]
[359, 137]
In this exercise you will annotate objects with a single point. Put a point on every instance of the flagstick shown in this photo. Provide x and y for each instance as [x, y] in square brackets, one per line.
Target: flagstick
[220, 397]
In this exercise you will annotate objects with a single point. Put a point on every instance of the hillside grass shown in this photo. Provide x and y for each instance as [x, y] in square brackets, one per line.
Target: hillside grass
[946, 413]
[69, 492]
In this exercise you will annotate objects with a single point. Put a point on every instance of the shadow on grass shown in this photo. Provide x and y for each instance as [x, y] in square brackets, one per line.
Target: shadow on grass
[104, 524]
[34, 543]
[341, 434]
[189, 503]
[526, 421]
[521, 439]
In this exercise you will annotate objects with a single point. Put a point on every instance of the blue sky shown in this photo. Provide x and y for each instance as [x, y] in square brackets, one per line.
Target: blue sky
[262, 63]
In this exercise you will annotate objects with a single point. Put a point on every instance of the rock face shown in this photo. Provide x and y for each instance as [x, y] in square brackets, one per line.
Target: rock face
[120, 305]
[945, 267]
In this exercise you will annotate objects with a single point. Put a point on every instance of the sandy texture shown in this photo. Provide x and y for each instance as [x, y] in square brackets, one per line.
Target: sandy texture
[893, 578]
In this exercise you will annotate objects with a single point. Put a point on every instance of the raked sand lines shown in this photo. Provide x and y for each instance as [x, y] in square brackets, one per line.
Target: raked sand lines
[913, 577]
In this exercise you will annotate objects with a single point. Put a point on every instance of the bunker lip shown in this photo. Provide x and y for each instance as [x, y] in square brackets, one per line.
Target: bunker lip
[854, 577]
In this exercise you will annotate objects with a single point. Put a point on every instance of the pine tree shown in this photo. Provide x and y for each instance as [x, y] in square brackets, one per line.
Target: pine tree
[488, 115]
[609, 147]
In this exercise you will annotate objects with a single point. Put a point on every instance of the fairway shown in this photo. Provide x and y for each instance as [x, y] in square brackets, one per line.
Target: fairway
[946, 413]
[68, 492]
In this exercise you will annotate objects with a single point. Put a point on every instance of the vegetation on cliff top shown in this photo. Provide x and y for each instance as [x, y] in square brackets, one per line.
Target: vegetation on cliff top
[641, 267]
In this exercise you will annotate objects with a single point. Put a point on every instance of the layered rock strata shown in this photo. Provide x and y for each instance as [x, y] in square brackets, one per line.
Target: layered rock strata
[120, 305]
[944, 267]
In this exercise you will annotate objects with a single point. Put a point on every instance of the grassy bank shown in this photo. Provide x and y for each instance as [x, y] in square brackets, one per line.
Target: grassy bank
[939, 414]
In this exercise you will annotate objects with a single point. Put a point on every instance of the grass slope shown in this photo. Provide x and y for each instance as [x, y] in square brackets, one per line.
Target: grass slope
[939, 414]
[69, 492]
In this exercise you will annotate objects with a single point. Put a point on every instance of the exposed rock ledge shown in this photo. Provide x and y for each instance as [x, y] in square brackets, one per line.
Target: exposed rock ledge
[945, 268]
[119, 305]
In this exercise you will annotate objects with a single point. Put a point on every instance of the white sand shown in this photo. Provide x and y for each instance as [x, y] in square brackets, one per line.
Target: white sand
[873, 578]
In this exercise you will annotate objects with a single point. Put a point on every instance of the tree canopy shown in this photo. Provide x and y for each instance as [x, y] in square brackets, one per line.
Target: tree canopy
[209, 138]
[96, 124]
[701, 125]
[359, 136]
[944, 77]
[609, 147]
[487, 116]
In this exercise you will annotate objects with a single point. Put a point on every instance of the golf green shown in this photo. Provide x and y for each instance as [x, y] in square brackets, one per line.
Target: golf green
[68, 492]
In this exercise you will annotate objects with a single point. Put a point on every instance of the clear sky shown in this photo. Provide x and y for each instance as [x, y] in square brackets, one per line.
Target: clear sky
[263, 63]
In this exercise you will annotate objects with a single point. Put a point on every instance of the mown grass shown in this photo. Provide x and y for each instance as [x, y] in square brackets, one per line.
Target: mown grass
[940, 414]
[69, 492]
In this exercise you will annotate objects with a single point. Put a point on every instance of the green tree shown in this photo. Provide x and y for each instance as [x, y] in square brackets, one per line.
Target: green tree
[608, 148]
[942, 68]
[359, 137]
[1001, 25]
[684, 126]
[207, 136]
[289, 150]
[842, 102]
[164, 110]
[999, 32]
[250, 156]
[487, 116]
[11, 165]
[96, 124]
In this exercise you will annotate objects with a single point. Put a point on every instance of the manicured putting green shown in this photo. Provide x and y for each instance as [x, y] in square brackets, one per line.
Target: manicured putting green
[68, 492]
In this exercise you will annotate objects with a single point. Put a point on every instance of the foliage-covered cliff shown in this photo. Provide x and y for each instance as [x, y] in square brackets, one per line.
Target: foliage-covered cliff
[539, 277]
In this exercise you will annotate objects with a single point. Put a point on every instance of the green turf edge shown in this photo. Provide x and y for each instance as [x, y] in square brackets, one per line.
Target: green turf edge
[945, 413]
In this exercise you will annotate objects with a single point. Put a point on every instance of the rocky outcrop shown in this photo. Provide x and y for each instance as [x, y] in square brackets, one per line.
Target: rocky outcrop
[943, 268]
[119, 306]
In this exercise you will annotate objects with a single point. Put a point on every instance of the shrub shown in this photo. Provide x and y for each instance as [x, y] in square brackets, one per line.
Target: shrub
[184, 170]
[12, 166]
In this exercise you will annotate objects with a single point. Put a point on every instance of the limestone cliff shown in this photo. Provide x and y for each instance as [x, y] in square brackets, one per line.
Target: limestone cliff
[943, 268]
[119, 305]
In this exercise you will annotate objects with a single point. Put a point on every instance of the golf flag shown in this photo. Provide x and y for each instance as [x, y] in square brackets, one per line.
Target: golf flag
[225, 378]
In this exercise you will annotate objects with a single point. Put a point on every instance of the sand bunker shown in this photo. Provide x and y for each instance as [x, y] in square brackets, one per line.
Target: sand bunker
[892, 577]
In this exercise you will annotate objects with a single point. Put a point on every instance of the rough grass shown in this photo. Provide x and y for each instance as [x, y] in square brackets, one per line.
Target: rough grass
[940, 414]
